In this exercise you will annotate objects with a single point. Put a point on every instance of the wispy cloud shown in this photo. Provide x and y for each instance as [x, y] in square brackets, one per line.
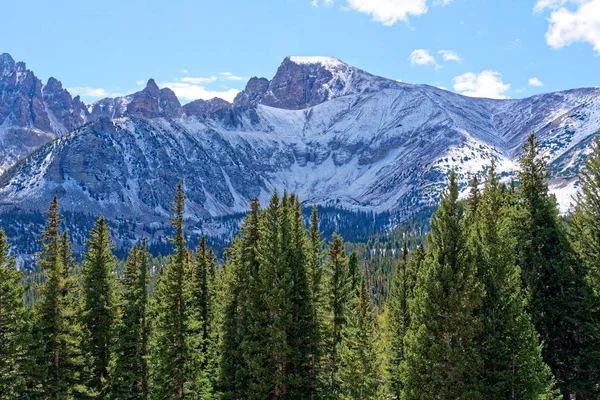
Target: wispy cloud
[198, 81]
[449, 55]
[231, 77]
[487, 84]
[96, 93]
[422, 57]
[535, 82]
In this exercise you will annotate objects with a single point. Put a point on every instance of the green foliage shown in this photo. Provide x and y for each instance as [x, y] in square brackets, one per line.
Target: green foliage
[441, 354]
[339, 292]
[561, 302]
[99, 303]
[359, 371]
[512, 361]
[14, 327]
[129, 378]
[61, 361]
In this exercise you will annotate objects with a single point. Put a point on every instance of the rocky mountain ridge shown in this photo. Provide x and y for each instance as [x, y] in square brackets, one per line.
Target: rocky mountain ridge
[334, 134]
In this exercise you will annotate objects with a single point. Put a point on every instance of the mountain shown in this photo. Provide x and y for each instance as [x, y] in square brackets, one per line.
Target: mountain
[336, 135]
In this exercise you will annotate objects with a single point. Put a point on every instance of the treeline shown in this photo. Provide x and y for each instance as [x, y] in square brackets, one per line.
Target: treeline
[503, 302]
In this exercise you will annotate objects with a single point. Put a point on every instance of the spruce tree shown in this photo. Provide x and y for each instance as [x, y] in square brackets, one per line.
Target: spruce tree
[171, 375]
[339, 293]
[586, 218]
[561, 297]
[441, 355]
[398, 321]
[242, 273]
[99, 302]
[355, 273]
[62, 371]
[359, 375]
[302, 328]
[130, 372]
[512, 362]
[201, 319]
[315, 270]
[13, 326]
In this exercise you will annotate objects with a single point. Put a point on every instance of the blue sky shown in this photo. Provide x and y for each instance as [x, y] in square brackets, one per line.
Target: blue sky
[202, 48]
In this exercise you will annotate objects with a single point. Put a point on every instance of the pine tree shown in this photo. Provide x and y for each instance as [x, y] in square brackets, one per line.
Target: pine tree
[13, 326]
[171, 376]
[99, 302]
[339, 293]
[512, 360]
[359, 359]
[242, 272]
[62, 362]
[398, 316]
[441, 359]
[586, 218]
[315, 271]
[130, 372]
[201, 317]
[560, 295]
[302, 327]
[355, 273]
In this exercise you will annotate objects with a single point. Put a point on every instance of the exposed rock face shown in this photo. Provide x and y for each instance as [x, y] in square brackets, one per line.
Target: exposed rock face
[303, 82]
[253, 94]
[205, 108]
[69, 112]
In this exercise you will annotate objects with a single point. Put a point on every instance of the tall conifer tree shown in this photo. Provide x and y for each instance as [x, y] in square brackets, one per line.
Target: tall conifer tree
[130, 372]
[99, 302]
[339, 294]
[512, 361]
[13, 326]
[441, 357]
[560, 294]
[398, 315]
[62, 371]
[359, 371]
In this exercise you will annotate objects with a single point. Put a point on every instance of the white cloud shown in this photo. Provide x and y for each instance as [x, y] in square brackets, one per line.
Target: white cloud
[197, 81]
[139, 83]
[535, 82]
[193, 91]
[231, 77]
[388, 12]
[449, 55]
[97, 93]
[542, 5]
[422, 57]
[185, 71]
[578, 23]
[485, 84]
